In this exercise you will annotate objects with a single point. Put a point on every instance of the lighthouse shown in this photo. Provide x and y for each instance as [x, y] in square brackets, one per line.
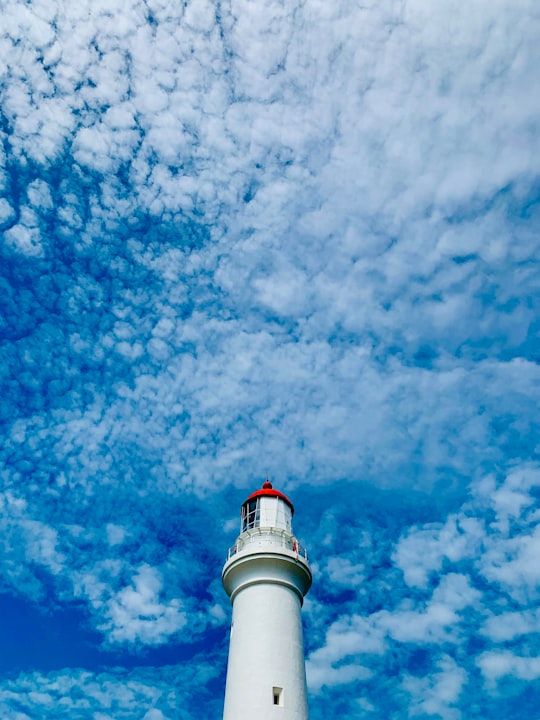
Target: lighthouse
[266, 576]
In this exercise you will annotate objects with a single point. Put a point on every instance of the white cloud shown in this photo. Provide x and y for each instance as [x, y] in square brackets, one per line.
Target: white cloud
[437, 694]
[457, 607]
[137, 613]
[116, 534]
[153, 693]
[498, 664]
[341, 571]
[510, 625]
[500, 555]
[513, 563]
[6, 211]
[27, 543]
[39, 195]
[440, 620]
[24, 239]
[322, 676]
[422, 551]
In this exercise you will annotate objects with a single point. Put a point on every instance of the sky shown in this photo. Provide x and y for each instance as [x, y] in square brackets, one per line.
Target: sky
[293, 237]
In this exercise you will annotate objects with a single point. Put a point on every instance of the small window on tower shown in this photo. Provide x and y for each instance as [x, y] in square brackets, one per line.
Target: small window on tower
[278, 695]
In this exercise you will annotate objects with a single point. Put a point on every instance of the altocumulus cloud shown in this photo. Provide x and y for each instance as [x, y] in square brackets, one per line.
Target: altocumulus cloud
[78, 693]
[289, 237]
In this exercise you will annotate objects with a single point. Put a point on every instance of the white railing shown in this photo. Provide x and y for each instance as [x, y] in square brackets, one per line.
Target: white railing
[281, 538]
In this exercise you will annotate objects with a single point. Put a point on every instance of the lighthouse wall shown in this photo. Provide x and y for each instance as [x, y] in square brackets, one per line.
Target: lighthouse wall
[266, 677]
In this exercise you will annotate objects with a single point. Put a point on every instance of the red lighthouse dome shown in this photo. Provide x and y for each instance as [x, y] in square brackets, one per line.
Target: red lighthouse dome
[267, 490]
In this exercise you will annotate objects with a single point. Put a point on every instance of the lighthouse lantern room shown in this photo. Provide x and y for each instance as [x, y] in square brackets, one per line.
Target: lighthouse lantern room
[267, 508]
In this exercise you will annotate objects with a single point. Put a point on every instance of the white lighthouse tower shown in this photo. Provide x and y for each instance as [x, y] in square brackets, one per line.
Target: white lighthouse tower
[266, 576]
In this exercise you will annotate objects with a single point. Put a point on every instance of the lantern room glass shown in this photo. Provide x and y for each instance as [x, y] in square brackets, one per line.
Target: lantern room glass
[251, 514]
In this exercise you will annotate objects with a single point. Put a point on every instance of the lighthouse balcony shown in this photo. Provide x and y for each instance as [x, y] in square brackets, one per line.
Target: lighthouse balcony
[260, 538]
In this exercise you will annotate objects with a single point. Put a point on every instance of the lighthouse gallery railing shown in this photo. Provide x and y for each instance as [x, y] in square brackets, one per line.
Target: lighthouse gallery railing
[277, 537]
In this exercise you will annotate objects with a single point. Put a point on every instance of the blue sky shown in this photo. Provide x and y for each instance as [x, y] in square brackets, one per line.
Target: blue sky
[294, 238]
